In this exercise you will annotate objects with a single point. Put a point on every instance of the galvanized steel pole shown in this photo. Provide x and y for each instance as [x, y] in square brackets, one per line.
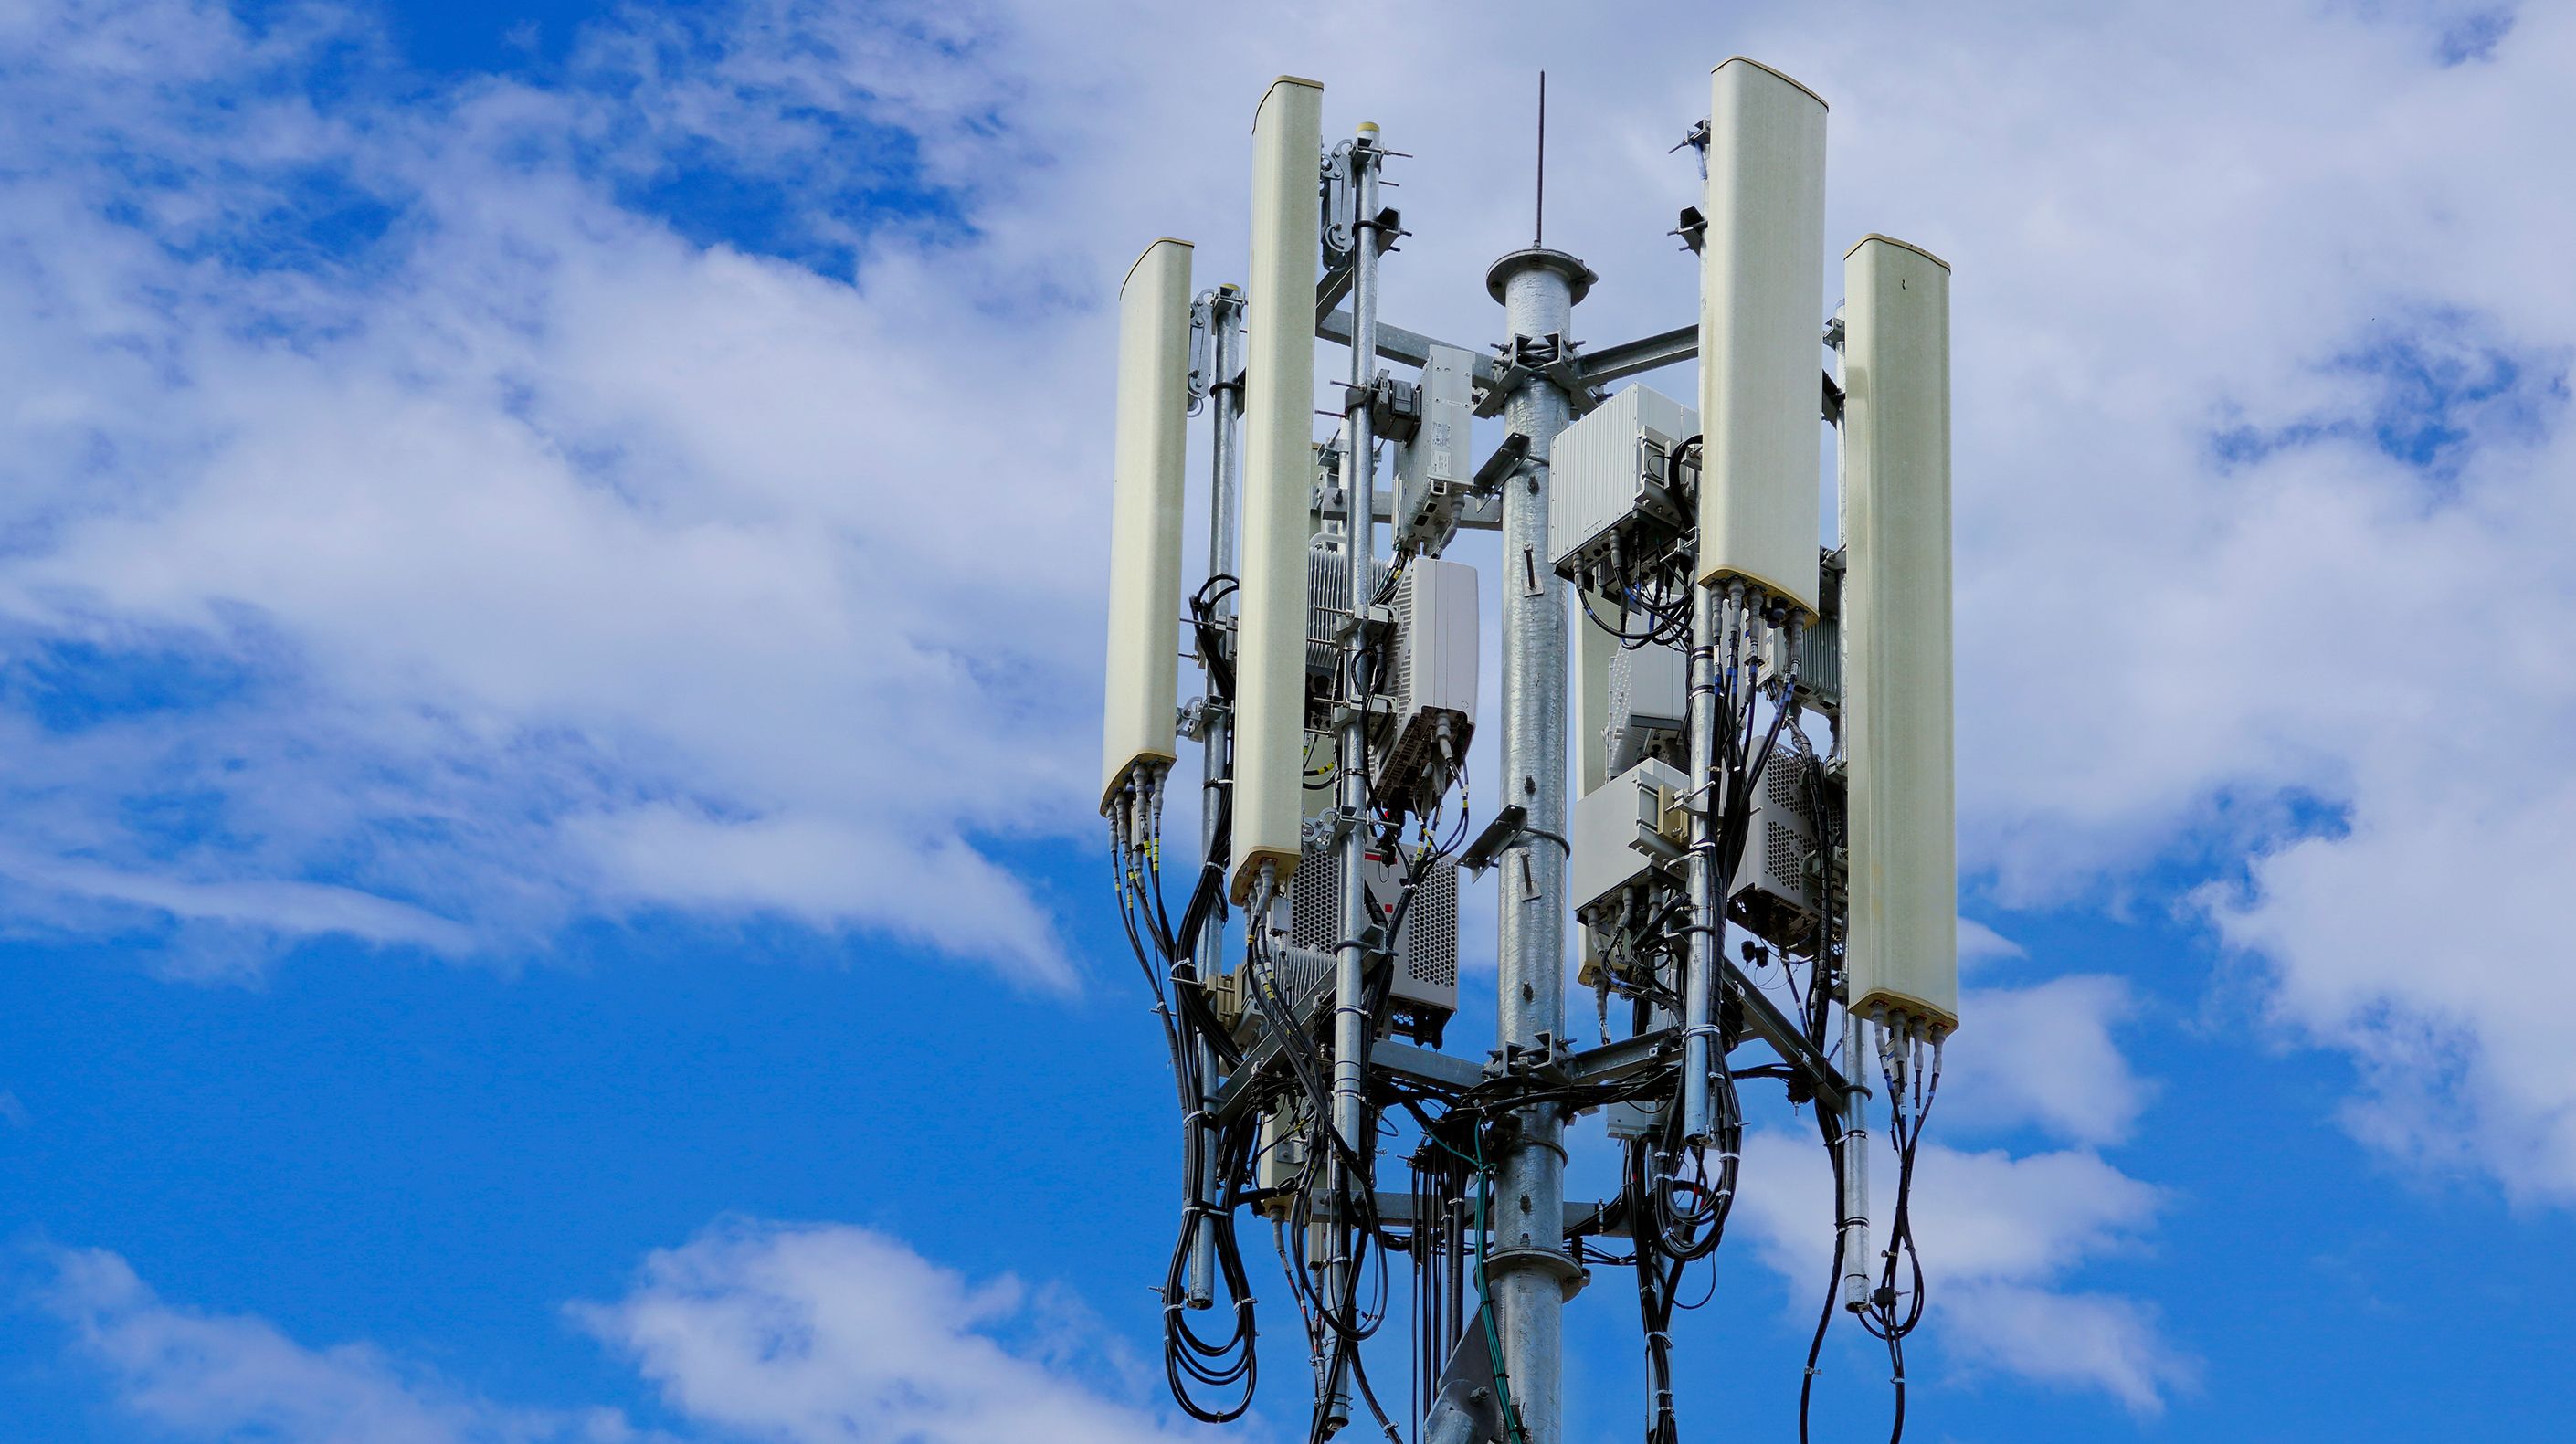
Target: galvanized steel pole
[1225, 401]
[1359, 482]
[1350, 1013]
[1528, 1269]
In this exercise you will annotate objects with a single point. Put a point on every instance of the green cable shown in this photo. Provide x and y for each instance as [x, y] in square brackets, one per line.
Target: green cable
[1484, 1297]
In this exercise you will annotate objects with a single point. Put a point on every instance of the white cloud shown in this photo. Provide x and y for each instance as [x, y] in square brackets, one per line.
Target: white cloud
[2427, 947]
[839, 1335]
[2044, 1056]
[804, 1334]
[299, 907]
[213, 1377]
[2074, 1340]
[1980, 944]
[826, 873]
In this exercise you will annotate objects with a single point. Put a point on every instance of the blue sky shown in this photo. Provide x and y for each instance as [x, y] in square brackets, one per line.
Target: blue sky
[550, 583]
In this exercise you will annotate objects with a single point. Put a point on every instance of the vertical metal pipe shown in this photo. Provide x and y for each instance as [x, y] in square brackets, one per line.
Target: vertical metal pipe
[1225, 387]
[1854, 1204]
[1699, 972]
[1528, 1268]
[1359, 487]
[1225, 395]
[1359, 481]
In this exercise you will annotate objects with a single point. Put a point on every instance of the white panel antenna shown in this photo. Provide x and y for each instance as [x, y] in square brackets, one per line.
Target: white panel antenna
[1278, 473]
[1761, 312]
[1145, 514]
[1903, 951]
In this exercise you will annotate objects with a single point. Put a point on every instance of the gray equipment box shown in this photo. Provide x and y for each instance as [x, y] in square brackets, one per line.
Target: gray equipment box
[1649, 705]
[1820, 644]
[1611, 487]
[1433, 468]
[1425, 946]
[1431, 679]
[1328, 610]
[1774, 897]
[1623, 828]
[1282, 1160]
[1637, 1119]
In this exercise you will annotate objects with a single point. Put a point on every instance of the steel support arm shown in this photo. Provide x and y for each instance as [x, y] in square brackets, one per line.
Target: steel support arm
[1647, 353]
[1586, 1219]
[1773, 1027]
[1394, 343]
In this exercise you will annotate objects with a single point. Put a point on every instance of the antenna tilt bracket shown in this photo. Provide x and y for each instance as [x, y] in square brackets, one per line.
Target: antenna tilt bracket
[1692, 227]
[1489, 843]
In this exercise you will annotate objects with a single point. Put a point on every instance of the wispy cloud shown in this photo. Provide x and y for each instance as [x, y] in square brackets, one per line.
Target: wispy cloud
[830, 1334]
[2043, 1057]
[202, 1376]
[805, 1334]
[292, 907]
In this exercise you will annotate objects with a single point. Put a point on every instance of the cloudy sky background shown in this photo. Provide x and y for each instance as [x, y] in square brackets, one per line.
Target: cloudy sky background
[550, 568]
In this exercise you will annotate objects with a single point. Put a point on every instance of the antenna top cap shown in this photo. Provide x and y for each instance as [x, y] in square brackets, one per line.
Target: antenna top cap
[1773, 72]
[1368, 129]
[1578, 276]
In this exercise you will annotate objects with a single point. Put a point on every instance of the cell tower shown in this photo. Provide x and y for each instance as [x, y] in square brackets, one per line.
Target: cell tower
[1757, 860]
